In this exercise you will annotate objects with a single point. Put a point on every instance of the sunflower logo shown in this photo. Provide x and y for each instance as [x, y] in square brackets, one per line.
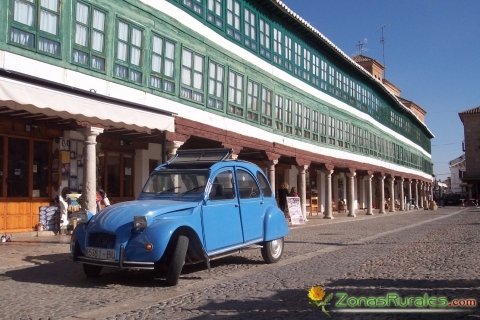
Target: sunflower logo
[316, 296]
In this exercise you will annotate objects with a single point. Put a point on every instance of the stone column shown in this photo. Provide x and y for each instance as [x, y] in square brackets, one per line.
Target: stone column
[172, 147]
[382, 193]
[421, 195]
[303, 190]
[409, 193]
[271, 174]
[321, 190]
[369, 194]
[392, 193]
[402, 195]
[328, 201]
[416, 194]
[272, 162]
[89, 192]
[351, 193]
[430, 194]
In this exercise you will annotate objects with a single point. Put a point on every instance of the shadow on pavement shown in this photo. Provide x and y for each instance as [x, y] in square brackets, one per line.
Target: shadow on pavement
[60, 270]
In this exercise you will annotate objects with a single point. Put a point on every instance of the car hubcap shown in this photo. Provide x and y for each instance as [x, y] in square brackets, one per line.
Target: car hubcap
[276, 246]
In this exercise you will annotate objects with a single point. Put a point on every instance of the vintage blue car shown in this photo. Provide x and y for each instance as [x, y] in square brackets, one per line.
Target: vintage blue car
[194, 208]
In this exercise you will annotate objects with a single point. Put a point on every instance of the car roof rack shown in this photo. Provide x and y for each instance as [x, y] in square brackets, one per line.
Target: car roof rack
[199, 157]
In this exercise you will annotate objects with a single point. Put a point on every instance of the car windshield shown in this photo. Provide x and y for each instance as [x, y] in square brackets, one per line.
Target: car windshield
[177, 184]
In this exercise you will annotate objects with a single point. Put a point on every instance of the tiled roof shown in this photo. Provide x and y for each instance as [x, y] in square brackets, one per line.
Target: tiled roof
[471, 111]
[361, 58]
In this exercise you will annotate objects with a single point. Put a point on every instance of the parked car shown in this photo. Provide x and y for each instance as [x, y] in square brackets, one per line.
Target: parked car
[194, 208]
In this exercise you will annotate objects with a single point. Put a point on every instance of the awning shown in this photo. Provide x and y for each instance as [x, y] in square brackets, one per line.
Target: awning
[20, 95]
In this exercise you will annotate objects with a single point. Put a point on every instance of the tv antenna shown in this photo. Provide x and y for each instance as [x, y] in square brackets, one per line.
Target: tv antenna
[360, 46]
[382, 41]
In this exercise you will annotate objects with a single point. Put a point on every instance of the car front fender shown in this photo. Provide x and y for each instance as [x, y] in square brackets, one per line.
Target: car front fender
[159, 234]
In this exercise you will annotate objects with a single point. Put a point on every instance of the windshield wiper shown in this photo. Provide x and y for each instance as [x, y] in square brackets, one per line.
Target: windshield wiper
[194, 189]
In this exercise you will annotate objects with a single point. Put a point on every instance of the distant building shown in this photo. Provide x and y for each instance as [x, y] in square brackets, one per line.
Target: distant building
[439, 189]
[448, 182]
[471, 125]
[457, 171]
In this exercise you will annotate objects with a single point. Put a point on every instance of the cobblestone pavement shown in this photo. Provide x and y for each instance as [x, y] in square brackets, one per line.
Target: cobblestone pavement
[417, 253]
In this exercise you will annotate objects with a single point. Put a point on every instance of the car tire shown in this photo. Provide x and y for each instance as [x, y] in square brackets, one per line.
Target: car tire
[177, 261]
[91, 271]
[272, 250]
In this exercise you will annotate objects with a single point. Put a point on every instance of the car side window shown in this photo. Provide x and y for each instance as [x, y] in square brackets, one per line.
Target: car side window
[222, 186]
[267, 191]
[247, 187]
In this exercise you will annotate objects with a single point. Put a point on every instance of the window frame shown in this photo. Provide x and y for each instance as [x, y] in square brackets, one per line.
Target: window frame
[307, 118]
[250, 29]
[277, 50]
[34, 30]
[233, 28]
[253, 100]
[213, 17]
[288, 115]
[279, 112]
[127, 64]
[265, 37]
[218, 94]
[189, 90]
[236, 91]
[161, 76]
[266, 105]
[88, 50]
[195, 6]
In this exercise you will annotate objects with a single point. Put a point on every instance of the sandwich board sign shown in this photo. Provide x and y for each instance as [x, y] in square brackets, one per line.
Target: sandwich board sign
[295, 210]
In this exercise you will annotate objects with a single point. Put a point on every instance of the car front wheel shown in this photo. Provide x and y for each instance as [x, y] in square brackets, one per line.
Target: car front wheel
[272, 250]
[177, 261]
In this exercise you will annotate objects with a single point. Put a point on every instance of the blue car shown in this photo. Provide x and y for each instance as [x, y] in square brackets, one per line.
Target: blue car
[194, 208]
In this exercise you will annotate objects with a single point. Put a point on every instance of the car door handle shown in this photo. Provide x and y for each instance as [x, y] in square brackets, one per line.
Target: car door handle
[236, 205]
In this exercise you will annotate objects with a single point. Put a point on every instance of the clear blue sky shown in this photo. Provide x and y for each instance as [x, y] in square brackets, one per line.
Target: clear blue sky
[432, 53]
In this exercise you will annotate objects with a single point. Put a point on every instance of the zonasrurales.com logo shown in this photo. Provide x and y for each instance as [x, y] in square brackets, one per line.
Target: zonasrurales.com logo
[317, 297]
[387, 302]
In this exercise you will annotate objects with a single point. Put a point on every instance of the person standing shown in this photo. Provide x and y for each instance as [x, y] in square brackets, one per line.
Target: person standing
[293, 192]
[282, 196]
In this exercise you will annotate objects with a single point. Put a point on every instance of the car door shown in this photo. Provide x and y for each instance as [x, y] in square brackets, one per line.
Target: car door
[222, 227]
[251, 206]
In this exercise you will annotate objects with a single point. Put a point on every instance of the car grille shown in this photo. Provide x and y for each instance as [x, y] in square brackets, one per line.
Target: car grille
[101, 240]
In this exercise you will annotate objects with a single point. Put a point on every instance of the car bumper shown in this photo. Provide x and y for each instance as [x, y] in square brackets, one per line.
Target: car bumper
[121, 263]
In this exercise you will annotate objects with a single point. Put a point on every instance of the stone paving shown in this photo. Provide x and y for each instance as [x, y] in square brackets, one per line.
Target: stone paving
[412, 253]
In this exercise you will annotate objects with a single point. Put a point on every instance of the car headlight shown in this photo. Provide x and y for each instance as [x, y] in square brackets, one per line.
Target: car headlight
[139, 223]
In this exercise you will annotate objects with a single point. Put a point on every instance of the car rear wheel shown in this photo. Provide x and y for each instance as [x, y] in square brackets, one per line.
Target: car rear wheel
[272, 250]
[177, 260]
[91, 271]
